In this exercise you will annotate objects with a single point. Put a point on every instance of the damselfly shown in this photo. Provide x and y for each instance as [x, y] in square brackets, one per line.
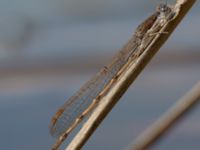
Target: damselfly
[87, 98]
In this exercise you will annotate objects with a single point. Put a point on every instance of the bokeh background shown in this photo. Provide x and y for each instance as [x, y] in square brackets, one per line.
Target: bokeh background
[49, 48]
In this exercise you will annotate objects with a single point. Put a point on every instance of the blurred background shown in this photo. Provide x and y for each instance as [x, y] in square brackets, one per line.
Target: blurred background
[49, 48]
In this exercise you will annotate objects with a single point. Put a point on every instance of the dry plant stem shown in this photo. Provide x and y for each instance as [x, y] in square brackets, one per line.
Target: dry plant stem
[156, 130]
[107, 102]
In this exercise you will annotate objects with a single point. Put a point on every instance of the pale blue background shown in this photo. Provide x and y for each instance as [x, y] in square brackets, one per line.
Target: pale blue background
[49, 48]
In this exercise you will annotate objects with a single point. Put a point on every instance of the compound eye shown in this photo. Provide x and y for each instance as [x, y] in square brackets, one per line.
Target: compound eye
[161, 7]
[164, 8]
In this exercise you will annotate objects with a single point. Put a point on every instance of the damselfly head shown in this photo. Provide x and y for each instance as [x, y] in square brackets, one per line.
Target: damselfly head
[163, 8]
[165, 12]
